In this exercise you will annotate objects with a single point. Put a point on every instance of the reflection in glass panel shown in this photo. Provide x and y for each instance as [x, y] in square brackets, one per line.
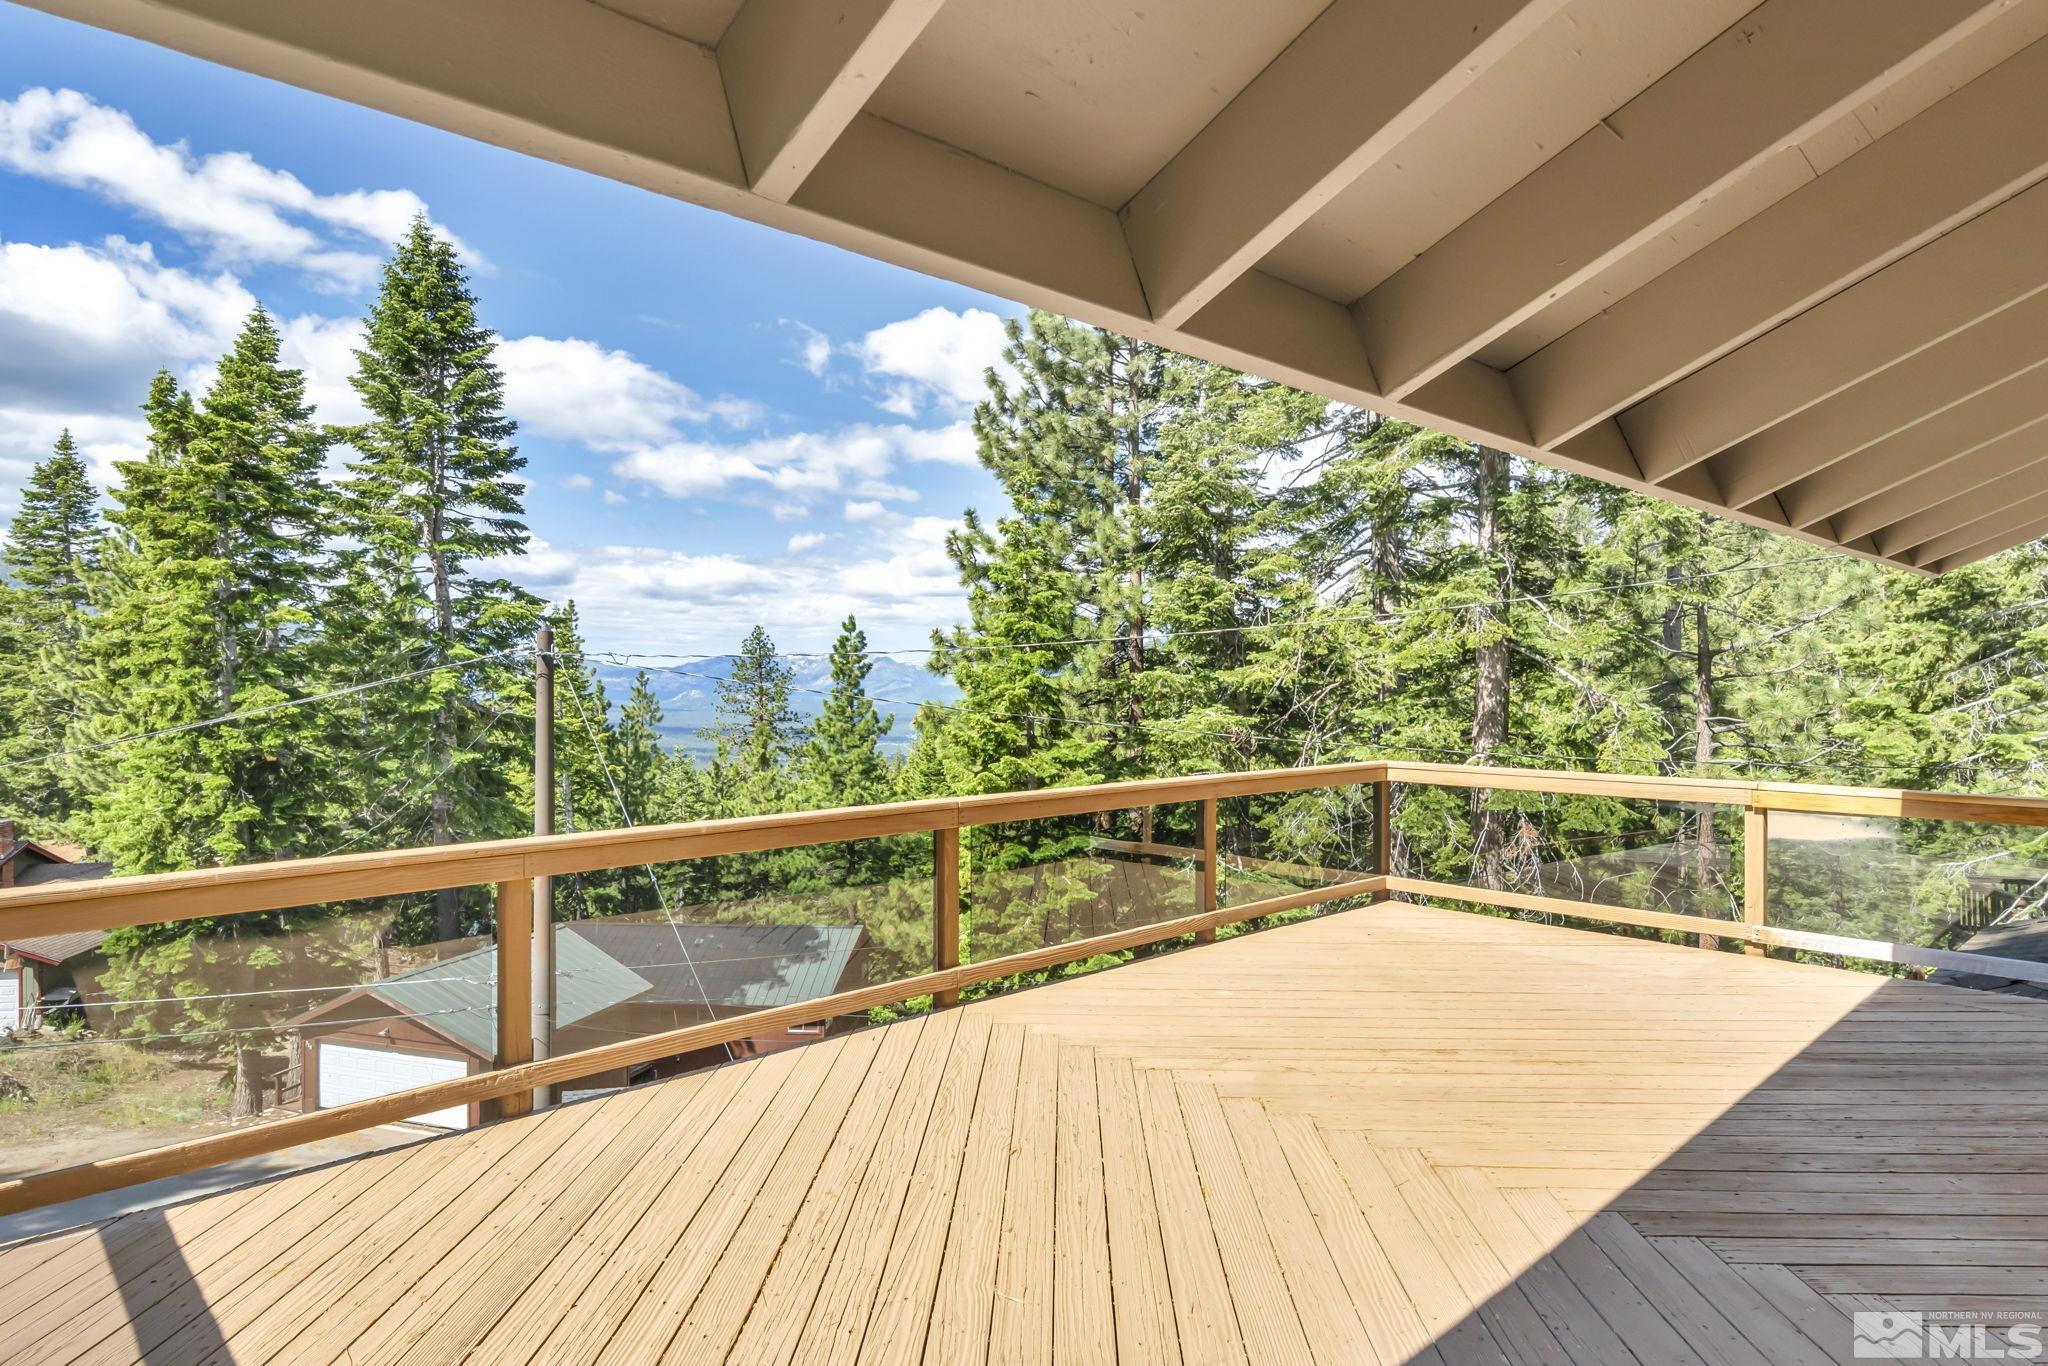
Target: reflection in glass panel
[740, 933]
[1679, 858]
[1276, 844]
[1029, 884]
[1931, 884]
[155, 1034]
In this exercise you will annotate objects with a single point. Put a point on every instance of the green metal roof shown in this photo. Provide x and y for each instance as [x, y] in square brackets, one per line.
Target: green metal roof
[459, 995]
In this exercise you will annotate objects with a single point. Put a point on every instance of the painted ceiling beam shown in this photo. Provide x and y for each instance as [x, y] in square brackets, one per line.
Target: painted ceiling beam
[2018, 405]
[1302, 130]
[1989, 264]
[1970, 151]
[1945, 375]
[1968, 506]
[797, 72]
[1781, 73]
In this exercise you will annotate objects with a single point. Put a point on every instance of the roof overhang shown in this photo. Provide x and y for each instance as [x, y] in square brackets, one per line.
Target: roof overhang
[1784, 261]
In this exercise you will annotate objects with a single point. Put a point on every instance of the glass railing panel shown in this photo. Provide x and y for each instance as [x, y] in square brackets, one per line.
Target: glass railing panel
[656, 948]
[1033, 884]
[1673, 857]
[1967, 888]
[157, 1034]
[1277, 844]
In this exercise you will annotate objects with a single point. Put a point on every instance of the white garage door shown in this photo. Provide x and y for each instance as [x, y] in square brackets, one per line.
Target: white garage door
[10, 1001]
[347, 1073]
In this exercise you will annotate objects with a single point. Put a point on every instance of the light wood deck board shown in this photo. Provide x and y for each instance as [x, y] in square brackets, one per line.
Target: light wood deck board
[1391, 1134]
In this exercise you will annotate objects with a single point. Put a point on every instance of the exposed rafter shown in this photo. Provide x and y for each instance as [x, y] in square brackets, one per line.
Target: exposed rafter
[1990, 528]
[1967, 507]
[2018, 405]
[798, 71]
[1949, 373]
[1961, 278]
[1303, 130]
[1970, 151]
[1783, 72]
[1948, 488]
[2033, 531]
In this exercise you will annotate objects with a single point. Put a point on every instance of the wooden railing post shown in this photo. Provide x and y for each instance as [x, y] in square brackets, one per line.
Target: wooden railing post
[515, 987]
[1756, 866]
[1383, 828]
[946, 909]
[1205, 875]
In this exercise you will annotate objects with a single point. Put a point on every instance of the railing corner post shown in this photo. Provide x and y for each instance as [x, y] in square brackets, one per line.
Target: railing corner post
[946, 909]
[1383, 827]
[1205, 883]
[1756, 881]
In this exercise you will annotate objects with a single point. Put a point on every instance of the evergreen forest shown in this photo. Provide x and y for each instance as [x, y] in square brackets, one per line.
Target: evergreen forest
[272, 637]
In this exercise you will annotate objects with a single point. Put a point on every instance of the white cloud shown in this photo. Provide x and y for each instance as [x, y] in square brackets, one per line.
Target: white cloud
[613, 498]
[939, 357]
[576, 483]
[855, 460]
[806, 540]
[813, 348]
[608, 400]
[865, 512]
[77, 321]
[646, 598]
[325, 348]
[240, 209]
[82, 328]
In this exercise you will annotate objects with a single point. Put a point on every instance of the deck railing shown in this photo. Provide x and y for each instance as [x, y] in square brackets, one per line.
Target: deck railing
[510, 866]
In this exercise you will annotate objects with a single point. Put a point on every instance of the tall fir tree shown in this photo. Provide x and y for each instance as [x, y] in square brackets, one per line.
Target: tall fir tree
[754, 722]
[842, 760]
[206, 611]
[432, 499]
[52, 553]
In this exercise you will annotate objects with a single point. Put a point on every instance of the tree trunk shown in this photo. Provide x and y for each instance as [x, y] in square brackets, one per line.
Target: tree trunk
[1703, 750]
[1490, 688]
[248, 1097]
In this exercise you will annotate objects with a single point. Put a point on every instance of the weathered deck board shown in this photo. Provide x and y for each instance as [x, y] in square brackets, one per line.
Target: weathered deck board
[1393, 1134]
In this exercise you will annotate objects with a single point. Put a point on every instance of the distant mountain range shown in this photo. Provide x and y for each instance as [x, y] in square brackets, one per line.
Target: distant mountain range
[689, 694]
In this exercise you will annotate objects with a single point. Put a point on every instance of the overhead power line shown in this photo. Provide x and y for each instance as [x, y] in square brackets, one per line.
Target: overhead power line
[72, 751]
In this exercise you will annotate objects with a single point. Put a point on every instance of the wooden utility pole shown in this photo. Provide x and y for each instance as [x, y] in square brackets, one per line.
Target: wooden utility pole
[543, 824]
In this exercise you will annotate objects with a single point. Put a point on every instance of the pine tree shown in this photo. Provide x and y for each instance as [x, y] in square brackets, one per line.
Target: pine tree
[207, 610]
[53, 544]
[432, 500]
[52, 552]
[842, 761]
[754, 720]
[640, 756]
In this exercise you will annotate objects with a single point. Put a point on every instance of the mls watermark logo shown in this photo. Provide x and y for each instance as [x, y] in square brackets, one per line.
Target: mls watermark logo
[1890, 1337]
[1903, 1336]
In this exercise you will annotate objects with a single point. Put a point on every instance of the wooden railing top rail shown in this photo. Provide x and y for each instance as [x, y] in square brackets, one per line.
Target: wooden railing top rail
[206, 892]
[1894, 803]
[157, 897]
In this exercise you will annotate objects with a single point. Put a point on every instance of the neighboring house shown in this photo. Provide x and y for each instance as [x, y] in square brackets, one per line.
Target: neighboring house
[614, 980]
[31, 967]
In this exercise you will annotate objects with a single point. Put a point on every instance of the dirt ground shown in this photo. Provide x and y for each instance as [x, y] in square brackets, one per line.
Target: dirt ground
[60, 1106]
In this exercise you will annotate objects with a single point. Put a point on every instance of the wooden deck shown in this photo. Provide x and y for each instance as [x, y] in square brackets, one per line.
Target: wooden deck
[1392, 1134]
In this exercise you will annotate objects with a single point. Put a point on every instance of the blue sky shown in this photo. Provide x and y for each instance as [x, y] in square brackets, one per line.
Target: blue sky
[725, 424]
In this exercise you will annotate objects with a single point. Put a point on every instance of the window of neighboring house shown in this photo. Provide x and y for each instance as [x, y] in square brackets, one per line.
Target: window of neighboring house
[813, 1028]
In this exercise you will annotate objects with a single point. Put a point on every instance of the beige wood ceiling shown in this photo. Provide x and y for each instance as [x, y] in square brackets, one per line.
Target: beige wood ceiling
[1787, 261]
